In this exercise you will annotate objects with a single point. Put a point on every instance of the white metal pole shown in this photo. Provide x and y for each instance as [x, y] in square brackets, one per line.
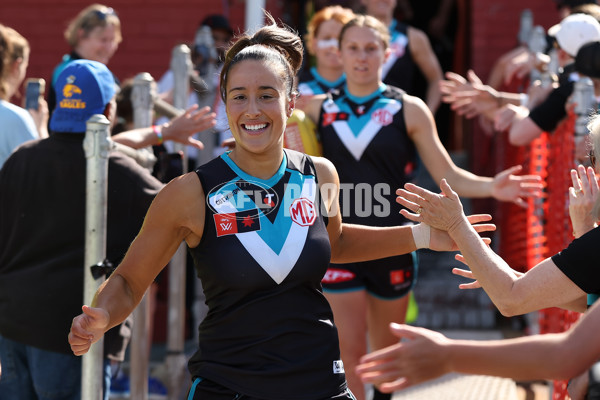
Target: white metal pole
[181, 65]
[142, 100]
[97, 146]
[254, 15]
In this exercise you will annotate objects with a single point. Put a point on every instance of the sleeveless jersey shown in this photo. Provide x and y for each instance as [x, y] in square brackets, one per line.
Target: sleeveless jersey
[366, 140]
[269, 330]
[400, 69]
[311, 83]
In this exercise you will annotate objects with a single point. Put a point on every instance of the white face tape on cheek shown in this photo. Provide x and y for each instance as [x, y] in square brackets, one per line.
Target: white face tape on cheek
[323, 44]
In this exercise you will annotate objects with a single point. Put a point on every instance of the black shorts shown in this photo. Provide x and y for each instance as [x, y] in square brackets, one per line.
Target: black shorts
[203, 389]
[387, 278]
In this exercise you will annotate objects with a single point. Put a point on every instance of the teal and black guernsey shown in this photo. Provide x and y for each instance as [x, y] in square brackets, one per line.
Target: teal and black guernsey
[312, 83]
[269, 331]
[367, 141]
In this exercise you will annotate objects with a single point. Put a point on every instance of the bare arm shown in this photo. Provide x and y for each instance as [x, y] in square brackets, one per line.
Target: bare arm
[498, 76]
[425, 355]
[176, 214]
[179, 129]
[355, 243]
[429, 65]
[504, 186]
[583, 194]
[543, 286]
[523, 130]
[312, 107]
[421, 129]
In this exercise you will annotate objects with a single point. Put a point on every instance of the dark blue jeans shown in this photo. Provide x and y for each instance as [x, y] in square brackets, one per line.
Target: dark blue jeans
[29, 373]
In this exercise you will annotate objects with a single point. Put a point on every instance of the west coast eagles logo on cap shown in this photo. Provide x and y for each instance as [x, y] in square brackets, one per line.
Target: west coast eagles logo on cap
[68, 91]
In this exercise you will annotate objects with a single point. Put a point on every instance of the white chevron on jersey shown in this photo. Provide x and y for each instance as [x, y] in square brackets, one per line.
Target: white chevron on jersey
[277, 265]
[357, 144]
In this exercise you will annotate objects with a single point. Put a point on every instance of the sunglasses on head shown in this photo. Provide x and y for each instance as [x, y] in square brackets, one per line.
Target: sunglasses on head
[103, 14]
[97, 18]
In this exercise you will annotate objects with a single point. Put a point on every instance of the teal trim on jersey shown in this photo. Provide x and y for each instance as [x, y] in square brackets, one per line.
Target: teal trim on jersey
[591, 299]
[348, 290]
[393, 25]
[193, 388]
[313, 86]
[268, 182]
[364, 99]
[59, 68]
[329, 84]
[358, 122]
[394, 34]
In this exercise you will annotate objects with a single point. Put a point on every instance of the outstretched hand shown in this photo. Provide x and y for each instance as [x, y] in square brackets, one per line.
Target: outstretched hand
[468, 98]
[582, 196]
[182, 128]
[465, 273]
[509, 187]
[441, 240]
[87, 328]
[442, 211]
[419, 358]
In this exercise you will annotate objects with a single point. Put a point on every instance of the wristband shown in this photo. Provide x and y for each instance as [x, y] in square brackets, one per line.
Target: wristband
[523, 99]
[158, 132]
[421, 235]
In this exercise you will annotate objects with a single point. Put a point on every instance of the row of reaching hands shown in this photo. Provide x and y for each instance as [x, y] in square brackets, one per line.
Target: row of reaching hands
[419, 355]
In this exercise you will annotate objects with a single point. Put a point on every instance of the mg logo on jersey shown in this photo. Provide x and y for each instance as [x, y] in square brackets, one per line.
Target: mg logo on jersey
[302, 212]
[398, 49]
[382, 117]
[337, 276]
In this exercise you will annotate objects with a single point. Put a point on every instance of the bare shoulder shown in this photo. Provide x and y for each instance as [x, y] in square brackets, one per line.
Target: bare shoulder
[326, 172]
[313, 107]
[412, 105]
[182, 189]
[417, 115]
[416, 36]
[182, 203]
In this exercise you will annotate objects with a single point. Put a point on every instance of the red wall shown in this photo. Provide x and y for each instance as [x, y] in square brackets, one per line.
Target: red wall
[151, 28]
[494, 25]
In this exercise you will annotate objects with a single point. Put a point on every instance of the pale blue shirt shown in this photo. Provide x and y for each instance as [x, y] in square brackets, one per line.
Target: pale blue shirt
[16, 128]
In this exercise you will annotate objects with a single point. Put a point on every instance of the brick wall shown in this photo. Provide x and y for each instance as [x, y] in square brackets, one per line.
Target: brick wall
[495, 24]
[151, 28]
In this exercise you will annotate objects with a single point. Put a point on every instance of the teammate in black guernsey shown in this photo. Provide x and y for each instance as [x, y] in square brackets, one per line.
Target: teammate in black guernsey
[322, 42]
[373, 133]
[262, 225]
[411, 56]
